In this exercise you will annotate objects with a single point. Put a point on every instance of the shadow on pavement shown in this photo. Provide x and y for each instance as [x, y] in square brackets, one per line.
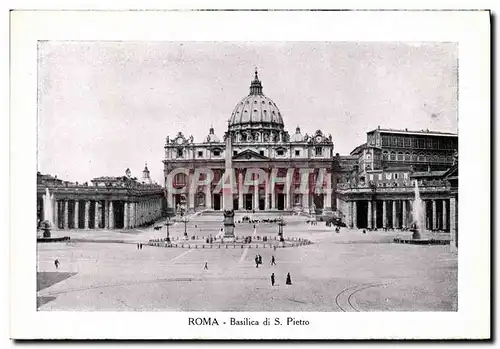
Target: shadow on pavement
[47, 279]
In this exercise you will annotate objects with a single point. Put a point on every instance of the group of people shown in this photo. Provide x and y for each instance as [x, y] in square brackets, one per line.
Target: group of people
[312, 222]
[288, 280]
[139, 246]
[258, 260]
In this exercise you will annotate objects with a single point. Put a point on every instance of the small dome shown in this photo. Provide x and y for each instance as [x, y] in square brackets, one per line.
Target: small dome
[256, 108]
[212, 138]
[297, 137]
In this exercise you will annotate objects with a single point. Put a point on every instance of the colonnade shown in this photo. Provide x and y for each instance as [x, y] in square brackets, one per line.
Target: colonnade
[437, 214]
[104, 214]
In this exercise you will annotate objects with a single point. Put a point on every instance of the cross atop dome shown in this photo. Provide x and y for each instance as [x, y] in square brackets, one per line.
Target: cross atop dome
[256, 86]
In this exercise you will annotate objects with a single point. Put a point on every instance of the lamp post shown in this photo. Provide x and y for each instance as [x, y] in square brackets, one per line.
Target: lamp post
[281, 223]
[168, 223]
[185, 227]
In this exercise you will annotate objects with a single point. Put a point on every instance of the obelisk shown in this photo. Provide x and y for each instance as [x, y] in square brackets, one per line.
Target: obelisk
[227, 192]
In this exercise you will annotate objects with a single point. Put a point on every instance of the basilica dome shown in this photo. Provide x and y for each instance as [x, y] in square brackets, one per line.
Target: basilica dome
[256, 110]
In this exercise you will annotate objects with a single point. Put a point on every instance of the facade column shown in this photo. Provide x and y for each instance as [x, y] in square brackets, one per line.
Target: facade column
[434, 215]
[405, 215]
[126, 224]
[375, 214]
[384, 214]
[75, 214]
[327, 203]
[66, 215]
[453, 223]
[288, 192]
[273, 196]
[208, 196]
[268, 184]
[394, 220]
[256, 197]
[111, 216]
[97, 215]
[240, 190]
[170, 199]
[370, 214]
[191, 193]
[445, 216]
[56, 214]
[355, 215]
[305, 201]
[87, 208]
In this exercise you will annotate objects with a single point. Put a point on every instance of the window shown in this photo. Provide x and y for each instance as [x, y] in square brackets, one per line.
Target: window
[261, 152]
[180, 179]
[407, 142]
[380, 176]
[395, 176]
[235, 152]
[297, 153]
[200, 154]
[371, 177]
[400, 142]
[216, 152]
[180, 153]
[319, 151]
[393, 156]
[280, 152]
[407, 156]
[400, 156]
[405, 175]
[385, 155]
[385, 141]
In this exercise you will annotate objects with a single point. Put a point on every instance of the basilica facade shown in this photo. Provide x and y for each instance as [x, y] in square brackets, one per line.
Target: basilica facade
[258, 140]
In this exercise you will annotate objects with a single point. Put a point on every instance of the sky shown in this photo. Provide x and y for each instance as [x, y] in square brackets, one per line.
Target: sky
[104, 107]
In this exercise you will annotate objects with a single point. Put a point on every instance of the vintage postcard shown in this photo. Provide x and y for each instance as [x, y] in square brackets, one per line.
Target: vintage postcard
[250, 175]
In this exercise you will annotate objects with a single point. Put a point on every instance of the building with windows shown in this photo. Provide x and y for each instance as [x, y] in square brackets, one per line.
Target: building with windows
[390, 167]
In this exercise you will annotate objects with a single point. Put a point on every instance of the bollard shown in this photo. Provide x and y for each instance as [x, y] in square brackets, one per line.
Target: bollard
[241, 246]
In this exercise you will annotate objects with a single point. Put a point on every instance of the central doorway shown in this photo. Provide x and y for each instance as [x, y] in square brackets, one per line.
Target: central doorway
[248, 201]
[216, 202]
[281, 202]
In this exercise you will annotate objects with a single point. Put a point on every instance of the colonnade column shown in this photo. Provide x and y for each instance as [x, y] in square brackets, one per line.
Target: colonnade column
[444, 215]
[75, 214]
[349, 214]
[453, 223]
[66, 214]
[375, 214]
[56, 214]
[384, 214]
[369, 214]
[96, 215]
[405, 215]
[126, 207]
[434, 215]
[354, 215]
[305, 200]
[394, 221]
[87, 208]
[111, 215]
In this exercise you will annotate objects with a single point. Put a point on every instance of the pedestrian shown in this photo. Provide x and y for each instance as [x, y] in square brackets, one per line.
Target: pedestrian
[364, 231]
[256, 261]
[288, 279]
[274, 246]
[260, 259]
[206, 266]
[272, 279]
[273, 261]
[56, 263]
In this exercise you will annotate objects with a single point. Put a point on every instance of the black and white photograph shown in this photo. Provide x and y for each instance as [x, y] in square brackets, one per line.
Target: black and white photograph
[245, 184]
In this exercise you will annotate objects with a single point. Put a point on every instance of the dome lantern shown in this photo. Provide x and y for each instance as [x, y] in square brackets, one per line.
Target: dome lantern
[256, 86]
